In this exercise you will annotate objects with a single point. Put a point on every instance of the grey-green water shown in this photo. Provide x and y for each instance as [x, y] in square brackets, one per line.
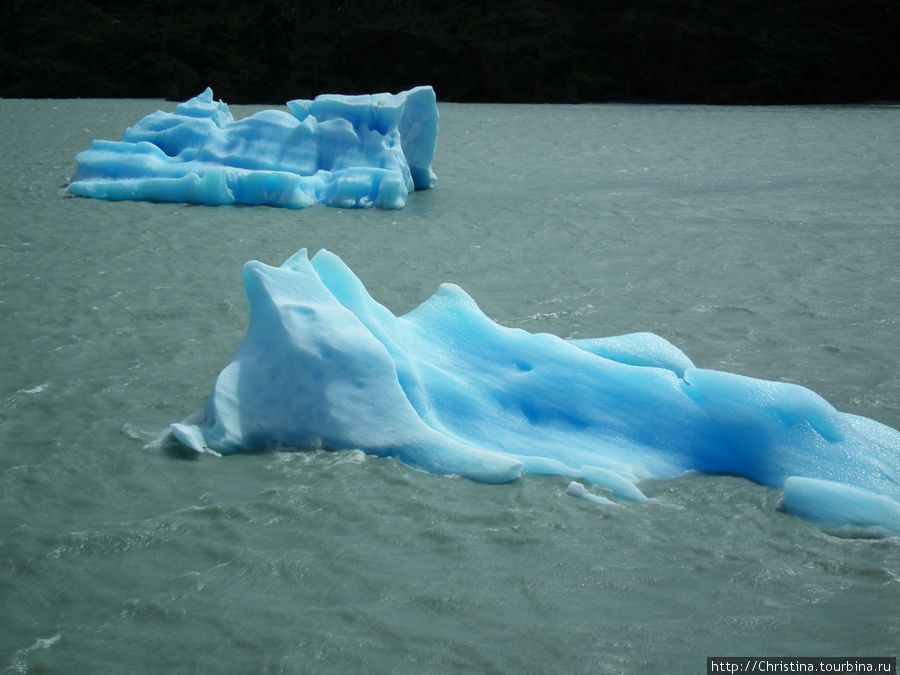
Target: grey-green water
[762, 241]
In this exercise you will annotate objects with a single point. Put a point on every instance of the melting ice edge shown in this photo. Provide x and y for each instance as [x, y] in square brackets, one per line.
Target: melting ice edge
[447, 390]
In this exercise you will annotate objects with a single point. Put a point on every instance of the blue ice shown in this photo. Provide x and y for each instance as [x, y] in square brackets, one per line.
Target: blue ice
[347, 151]
[447, 390]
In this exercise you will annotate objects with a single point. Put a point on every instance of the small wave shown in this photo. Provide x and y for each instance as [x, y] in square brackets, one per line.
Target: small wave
[34, 390]
[44, 643]
[19, 665]
[576, 489]
[553, 316]
[136, 434]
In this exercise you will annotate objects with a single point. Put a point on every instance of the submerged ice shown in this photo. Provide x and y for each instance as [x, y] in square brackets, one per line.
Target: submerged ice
[447, 390]
[347, 151]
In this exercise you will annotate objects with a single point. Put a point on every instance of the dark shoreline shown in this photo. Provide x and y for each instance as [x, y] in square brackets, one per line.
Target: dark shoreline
[726, 52]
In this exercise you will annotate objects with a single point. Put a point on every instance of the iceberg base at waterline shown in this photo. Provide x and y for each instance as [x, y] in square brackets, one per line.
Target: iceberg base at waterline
[347, 151]
[447, 390]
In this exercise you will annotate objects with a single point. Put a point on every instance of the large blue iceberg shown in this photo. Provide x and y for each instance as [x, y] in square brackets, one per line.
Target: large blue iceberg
[347, 151]
[447, 390]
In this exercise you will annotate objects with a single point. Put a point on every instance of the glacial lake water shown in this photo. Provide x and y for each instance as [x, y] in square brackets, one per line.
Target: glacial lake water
[761, 241]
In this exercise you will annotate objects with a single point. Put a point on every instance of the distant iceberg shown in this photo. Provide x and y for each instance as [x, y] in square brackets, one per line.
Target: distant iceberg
[347, 151]
[447, 390]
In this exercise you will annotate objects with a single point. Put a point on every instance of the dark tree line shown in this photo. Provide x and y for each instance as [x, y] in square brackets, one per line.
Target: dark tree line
[270, 51]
